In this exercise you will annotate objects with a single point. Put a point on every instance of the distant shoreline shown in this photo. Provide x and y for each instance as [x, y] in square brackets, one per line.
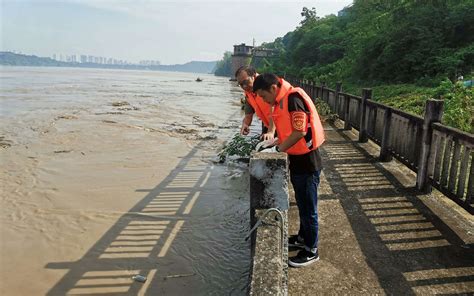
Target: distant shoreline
[104, 68]
[12, 59]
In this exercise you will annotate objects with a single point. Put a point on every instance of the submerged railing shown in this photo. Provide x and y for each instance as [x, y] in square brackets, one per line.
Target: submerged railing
[441, 156]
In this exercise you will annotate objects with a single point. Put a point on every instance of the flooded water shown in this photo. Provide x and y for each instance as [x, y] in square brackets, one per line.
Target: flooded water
[89, 155]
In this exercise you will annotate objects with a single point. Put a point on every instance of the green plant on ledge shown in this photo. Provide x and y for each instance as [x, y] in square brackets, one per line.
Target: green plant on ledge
[240, 146]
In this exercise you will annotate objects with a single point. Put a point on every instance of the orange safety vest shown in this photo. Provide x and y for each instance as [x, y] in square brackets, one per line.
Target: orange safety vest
[282, 120]
[262, 109]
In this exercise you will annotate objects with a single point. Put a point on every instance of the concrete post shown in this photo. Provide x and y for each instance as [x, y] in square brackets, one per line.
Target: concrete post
[433, 113]
[347, 125]
[323, 85]
[337, 103]
[269, 180]
[366, 95]
[385, 155]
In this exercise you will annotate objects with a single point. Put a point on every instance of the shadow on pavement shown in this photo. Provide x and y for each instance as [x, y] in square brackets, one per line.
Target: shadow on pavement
[376, 236]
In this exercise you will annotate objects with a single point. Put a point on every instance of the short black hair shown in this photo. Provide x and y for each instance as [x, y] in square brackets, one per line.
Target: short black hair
[265, 81]
[248, 69]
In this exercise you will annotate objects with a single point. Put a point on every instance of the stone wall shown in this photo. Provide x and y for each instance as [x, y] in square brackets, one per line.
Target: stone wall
[239, 61]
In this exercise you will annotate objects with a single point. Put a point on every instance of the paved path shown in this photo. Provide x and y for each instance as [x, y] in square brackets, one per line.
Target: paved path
[377, 236]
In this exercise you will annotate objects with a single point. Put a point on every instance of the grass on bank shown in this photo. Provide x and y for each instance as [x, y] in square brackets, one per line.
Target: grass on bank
[458, 100]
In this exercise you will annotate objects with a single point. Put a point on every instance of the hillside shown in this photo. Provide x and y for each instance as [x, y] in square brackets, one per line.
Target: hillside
[13, 59]
[405, 51]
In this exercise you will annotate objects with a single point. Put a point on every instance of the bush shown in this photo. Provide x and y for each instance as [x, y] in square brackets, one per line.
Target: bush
[458, 105]
[238, 145]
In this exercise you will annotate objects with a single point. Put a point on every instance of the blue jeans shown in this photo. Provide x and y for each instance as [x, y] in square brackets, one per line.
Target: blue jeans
[306, 195]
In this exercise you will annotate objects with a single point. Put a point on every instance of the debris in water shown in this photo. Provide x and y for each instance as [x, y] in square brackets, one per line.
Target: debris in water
[139, 278]
[178, 275]
[120, 103]
[128, 108]
[62, 151]
[4, 143]
[113, 113]
[66, 117]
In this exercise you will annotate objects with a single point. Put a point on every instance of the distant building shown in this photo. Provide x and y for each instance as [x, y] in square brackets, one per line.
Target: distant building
[259, 54]
[246, 55]
[83, 58]
[242, 56]
[263, 52]
[149, 63]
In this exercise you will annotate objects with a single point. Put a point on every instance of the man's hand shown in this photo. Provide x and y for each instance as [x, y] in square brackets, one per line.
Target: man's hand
[267, 136]
[265, 144]
[245, 129]
[273, 149]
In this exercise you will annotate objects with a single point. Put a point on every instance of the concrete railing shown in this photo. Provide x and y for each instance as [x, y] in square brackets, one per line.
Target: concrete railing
[269, 212]
[441, 156]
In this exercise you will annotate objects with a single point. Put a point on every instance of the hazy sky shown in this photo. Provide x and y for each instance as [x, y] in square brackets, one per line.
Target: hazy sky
[169, 31]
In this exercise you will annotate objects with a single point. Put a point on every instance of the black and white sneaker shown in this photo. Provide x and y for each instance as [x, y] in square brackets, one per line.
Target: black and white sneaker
[303, 258]
[295, 241]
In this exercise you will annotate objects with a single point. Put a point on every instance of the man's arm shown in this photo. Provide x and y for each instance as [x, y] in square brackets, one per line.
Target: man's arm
[270, 134]
[246, 122]
[294, 137]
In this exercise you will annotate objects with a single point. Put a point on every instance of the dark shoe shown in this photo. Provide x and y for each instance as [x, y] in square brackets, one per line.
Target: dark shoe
[304, 258]
[295, 241]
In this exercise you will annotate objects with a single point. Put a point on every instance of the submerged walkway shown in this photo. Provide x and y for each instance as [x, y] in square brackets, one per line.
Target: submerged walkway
[377, 235]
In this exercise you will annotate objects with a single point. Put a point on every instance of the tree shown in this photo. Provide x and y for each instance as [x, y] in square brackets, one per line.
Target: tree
[309, 16]
[224, 66]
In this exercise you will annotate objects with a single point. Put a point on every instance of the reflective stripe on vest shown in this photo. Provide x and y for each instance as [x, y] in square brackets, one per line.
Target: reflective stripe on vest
[282, 120]
[262, 109]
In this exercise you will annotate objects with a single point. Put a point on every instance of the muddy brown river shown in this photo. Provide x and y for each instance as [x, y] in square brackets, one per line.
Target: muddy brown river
[110, 174]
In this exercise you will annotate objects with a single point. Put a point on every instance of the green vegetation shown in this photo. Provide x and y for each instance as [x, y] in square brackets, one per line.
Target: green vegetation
[13, 59]
[458, 105]
[223, 67]
[238, 145]
[458, 101]
[406, 51]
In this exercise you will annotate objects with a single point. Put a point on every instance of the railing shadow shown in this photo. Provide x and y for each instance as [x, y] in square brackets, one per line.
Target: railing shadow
[140, 238]
[409, 248]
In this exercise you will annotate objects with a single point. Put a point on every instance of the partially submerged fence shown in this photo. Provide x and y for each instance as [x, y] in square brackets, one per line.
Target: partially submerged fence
[441, 156]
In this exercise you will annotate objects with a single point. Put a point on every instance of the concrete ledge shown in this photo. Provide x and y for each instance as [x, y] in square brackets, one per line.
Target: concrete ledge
[269, 189]
[269, 272]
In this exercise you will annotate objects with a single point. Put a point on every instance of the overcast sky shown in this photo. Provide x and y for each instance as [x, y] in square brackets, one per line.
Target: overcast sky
[168, 31]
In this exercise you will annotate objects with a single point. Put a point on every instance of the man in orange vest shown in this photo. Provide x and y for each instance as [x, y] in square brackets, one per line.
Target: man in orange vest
[300, 134]
[245, 76]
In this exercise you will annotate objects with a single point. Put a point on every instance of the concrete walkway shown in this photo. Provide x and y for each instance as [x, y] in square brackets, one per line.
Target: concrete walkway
[377, 236]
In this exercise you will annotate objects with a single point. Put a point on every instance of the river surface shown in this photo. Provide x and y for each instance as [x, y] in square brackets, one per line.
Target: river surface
[111, 173]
